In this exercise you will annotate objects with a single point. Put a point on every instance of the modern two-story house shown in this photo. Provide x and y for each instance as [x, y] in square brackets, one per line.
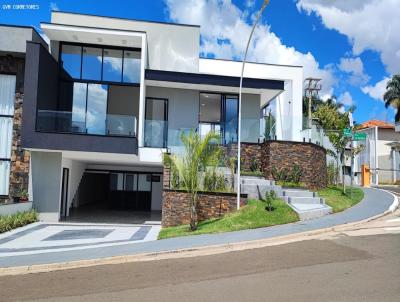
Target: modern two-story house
[111, 95]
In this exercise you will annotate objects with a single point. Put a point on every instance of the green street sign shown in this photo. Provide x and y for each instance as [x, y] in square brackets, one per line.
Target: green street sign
[360, 136]
[347, 132]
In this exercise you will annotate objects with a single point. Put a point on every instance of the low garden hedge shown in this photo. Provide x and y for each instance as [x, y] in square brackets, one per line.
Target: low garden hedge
[17, 220]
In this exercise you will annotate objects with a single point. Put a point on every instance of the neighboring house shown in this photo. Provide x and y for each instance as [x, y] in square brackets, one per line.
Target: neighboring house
[14, 161]
[381, 152]
[113, 95]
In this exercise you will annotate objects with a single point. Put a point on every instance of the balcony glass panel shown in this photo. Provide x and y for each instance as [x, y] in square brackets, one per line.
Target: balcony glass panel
[96, 109]
[62, 122]
[155, 133]
[71, 60]
[131, 66]
[91, 63]
[112, 65]
[156, 125]
[250, 130]
[121, 125]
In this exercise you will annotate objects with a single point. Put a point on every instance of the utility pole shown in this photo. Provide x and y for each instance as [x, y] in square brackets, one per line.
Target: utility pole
[311, 88]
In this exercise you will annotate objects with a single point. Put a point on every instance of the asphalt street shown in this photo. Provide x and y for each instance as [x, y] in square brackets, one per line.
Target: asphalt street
[343, 268]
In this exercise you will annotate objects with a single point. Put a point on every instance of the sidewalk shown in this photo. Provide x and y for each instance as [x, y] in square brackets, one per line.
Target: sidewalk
[374, 203]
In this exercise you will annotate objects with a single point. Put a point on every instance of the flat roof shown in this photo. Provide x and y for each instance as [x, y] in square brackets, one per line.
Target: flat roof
[251, 62]
[129, 19]
[212, 79]
[26, 27]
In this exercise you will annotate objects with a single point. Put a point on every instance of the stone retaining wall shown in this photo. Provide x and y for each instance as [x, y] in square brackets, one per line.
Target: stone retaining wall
[175, 208]
[309, 157]
[250, 152]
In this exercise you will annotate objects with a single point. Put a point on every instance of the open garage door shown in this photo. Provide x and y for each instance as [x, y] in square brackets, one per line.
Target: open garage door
[118, 197]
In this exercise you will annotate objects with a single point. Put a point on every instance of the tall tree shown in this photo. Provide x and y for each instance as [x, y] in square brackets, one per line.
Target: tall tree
[334, 122]
[392, 95]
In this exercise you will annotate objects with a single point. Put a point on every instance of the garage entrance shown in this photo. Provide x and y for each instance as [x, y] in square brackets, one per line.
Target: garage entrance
[118, 197]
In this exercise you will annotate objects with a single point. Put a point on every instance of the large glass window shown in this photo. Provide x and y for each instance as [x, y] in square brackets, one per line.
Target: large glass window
[219, 113]
[210, 113]
[79, 107]
[71, 60]
[112, 65]
[156, 123]
[231, 118]
[7, 95]
[101, 64]
[91, 63]
[96, 113]
[131, 66]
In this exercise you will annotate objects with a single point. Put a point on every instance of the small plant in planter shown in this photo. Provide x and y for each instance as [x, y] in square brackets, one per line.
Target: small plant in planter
[24, 197]
[17, 197]
[268, 199]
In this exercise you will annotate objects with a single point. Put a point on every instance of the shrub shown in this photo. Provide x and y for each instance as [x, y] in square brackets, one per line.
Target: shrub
[268, 199]
[296, 174]
[332, 173]
[254, 165]
[17, 220]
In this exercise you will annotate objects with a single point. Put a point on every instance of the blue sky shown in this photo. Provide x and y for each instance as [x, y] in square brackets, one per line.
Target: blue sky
[351, 45]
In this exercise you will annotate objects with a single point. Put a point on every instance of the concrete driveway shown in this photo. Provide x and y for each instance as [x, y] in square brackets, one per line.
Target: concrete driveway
[39, 238]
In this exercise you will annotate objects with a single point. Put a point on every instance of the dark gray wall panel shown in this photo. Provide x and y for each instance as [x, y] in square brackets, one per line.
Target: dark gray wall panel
[41, 84]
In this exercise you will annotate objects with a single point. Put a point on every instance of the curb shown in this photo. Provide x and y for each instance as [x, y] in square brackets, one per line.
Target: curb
[194, 252]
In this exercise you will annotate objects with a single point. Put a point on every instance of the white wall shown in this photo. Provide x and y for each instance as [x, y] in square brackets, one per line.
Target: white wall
[76, 170]
[250, 118]
[170, 46]
[46, 184]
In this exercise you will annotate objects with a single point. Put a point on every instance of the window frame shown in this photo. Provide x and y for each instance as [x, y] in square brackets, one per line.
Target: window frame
[223, 96]
[166, 108]
[102, 47]
[9, 116]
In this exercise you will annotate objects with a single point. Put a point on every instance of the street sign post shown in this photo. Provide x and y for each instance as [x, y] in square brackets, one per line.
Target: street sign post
[359, 136]
[347, 132]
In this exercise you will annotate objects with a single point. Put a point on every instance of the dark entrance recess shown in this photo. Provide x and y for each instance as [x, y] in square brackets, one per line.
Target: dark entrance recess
[64, 194]
[130, 191]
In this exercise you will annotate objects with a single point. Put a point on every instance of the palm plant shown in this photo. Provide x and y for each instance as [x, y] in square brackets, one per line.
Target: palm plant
[392, 95]
[198, 154]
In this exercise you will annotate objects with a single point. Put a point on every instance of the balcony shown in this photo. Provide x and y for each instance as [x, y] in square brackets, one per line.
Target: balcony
[75, 116]
[69, 122]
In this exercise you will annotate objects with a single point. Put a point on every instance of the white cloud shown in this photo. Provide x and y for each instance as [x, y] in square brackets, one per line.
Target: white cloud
[54, 6]
[355, 68]
[371, 24]
[376, 91]
[224, 32]
[346, 99]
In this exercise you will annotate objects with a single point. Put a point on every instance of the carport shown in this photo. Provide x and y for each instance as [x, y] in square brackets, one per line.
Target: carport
[111, 196]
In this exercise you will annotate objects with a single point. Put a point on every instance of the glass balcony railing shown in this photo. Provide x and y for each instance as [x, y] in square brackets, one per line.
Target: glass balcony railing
[69, 122]
[155, 133]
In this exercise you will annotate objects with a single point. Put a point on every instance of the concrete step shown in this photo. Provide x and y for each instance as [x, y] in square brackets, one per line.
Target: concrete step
[304, 200]
[256, 181]
[310, 211]
[299, 193]
[254, 191]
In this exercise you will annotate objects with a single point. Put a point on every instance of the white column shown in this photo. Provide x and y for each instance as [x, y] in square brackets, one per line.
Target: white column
[142, 93]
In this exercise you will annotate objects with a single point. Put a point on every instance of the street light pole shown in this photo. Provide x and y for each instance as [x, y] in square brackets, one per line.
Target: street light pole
[264, 5]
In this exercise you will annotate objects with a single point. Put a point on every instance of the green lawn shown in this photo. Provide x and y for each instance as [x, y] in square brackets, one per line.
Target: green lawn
[251, 216]
[338, 201]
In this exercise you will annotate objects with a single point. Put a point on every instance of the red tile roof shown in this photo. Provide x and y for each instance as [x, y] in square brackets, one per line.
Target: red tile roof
[376, 123]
